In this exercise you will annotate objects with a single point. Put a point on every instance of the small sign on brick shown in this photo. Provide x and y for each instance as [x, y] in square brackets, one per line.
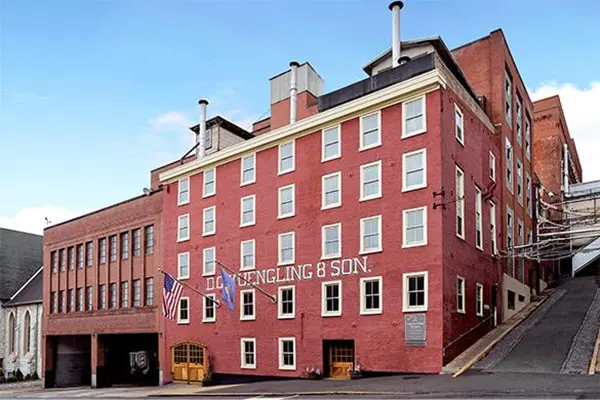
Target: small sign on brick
[415, 329]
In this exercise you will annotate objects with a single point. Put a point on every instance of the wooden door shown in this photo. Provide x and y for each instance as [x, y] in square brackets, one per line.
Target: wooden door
[341, 359]
[189, 362]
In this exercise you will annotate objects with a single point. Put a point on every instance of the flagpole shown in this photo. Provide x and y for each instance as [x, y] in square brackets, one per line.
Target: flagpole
[271, 296]
[217, 302]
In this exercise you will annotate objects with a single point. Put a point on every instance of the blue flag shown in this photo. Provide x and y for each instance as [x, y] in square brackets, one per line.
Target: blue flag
[228, 289]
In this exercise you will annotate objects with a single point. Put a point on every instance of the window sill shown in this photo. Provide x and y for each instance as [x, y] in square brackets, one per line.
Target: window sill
[286, 316]
[286, 216]
[329, 207]
[371, 312]
[463, 312]
[370, 198]
[462, 142]
[331, 315]
[242, 184]
[412, 134]
[183, 203]
[253, 318]
[413, 188]
[281, 264]
[324, 160]
[372, 146]
[408, 246]
[284, 368]
[279, 173]
[183, 278]
[331, 256]
[179, 240]
[370, 251]
[209, 321]
[183, 322]
[243, 269]
[205, 196]
[247, 224]
[414, 310]
[208, 274]
[248, 366]
[204, 234]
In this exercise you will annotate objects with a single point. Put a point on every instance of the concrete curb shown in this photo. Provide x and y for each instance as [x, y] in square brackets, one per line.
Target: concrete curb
[287, 394]
[594, 360]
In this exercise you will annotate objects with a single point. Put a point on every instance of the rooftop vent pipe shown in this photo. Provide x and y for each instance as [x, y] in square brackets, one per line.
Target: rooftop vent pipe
[201, 136]
[395, 8]
[293, 91]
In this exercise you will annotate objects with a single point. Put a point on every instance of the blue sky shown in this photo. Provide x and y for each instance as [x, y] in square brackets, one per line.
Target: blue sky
[94, 94]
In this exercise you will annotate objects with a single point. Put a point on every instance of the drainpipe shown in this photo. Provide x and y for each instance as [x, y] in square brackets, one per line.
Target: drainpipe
[201, 136]
[566, 170]
[293, 91]
[395, 8]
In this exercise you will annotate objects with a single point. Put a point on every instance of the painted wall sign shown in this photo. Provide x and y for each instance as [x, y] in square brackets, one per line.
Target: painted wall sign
[295, 273]
[415, 329]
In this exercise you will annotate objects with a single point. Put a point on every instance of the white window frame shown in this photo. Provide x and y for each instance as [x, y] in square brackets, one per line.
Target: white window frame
[508, 98]
[405, 187]
[338, 127]
[324, 312]
[479, 218]
[519, 167]
[405, 135]
[204, 192]
[460, 202]
[281, 365]
[528, 194]
[293, 168]
[244, 317]
[362, 244]
[479, 300]
[405, 226]
[519, 121]
[363, 300]
[179, 219]
[181, 321]
[253, 221]
[242, 266]
[204, 231]
[457, 112]
[281, 189]
[510, 178]
[325, 206]
[214, 250]
[527, 136]
[406, 307]
[325, 256]
[253, 180]
[280, 314]
[510, 229]
[293, 260]
[362, 146]
[243, 363]
[493, 227]
[461, 307]
[205, 303]
[492, 167]
[362, 181]
[179, 257]
[179, 191]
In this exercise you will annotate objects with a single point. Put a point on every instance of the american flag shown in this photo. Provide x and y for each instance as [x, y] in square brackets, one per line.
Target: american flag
[172, 290]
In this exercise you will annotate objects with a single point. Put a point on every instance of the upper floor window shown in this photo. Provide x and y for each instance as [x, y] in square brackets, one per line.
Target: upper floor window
[53, 303]
[71, 258]
[150, 239]
[80, 299]
[519, 181]
[493, 232]
[183, 265]
[331, 241]
[137, 242]
[113, 248]
[459, 125]
[248, 172]
[183, 314]
[370, 295]
[415, 292]
[508, 97]
[183, 194]
[286, 302]
[370, 181]
[209, 261]
[112, 293]
[247, 258]
[125, 245]
[54, 261]
[478, 219]
[528, 137]
[102, 297]
[370, 132]
[509, 228]
[287, 353]
[248, 210]
[519, 118]
[71, 300]
[287, 248]
[88, 298]
[89, 251]
[528, 195]
[331, 188]
[492, 167]
[370, 234]
[125, 294]
[209, 311]
[414, 232]
[479, 300]
[460, 203]
[149, 291]
[248, 352]
[286, 196]
[183, 227]
[413, 117]
[287, 157]
[209, 223]
[63, 259]
[137, 293]
[247, 305]
[80, 256]
[332, 148]
[102, 251]
[509, 166]
[210, 182]
[460, 295]
[414, 167]
[331, 299]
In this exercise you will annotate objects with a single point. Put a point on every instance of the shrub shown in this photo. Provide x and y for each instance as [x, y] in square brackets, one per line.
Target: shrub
[19, 375]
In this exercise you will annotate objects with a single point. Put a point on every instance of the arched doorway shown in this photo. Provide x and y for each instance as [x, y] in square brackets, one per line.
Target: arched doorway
[189, 362]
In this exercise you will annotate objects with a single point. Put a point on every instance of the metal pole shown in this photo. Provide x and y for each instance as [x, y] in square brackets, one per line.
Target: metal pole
[217, 302]
[271, 296]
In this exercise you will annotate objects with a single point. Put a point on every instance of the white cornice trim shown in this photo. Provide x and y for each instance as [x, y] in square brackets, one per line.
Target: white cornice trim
[420, 84]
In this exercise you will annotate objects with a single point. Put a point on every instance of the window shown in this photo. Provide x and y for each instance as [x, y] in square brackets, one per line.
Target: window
[247, 210]
[331, 189]
[183, 315]
[248, 353]
[413, 117]
[137, 242]
[520, 260]
[509, 240]
[519, 112]
[509, 166]
[183, 265]
[415, 292]
[89, 254]
[125, 245]
[479, 300]
[414, 168]
[331, 144]
[492, 167]
[137, 293]
[208, 265]
[510, 300]
[370, 181]
[88, 298]
[508, 97]
[286, 200]
[247, 255]
[209, 225]
[287, 353]
[54, 261]
[150, 239]
[519, 182]
[460, 295]
[478, 219]
[209, 309]
[63, 260]
[80, 256]
[208, 139]
[247, 306]
[80, 299]
[414, 222]
[287, 157]
[61, 301]
[528, 137]
[331, 299]
[12, 333]
[71, 300]
[493, 227]
[331, 241]
[370, 235]
[112, 293]
[248, 172]
[370, 295]
[53, 305]
[71, 258]
[113, 248]
[26, 333]
[287, 298]
[149, 291]
[528, 194]
[102, 297]
[183, 193]
[124, 294]
[459, 125]
[210, 182]
[183, 227]
[287, 249]
[370, 134]
[460, 203]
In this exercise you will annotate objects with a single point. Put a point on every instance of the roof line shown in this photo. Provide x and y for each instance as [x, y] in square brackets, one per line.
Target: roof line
[16, 231]
[26, 283]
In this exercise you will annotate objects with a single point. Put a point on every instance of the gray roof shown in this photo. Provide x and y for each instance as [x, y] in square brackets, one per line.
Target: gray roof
[30, 293]
[20, 258]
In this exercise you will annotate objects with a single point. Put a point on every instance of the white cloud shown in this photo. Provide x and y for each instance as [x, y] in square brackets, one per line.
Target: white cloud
[33, 220]
[171, 120]
[583, 119]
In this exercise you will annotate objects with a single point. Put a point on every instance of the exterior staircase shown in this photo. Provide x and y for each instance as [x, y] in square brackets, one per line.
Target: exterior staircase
[586, 255]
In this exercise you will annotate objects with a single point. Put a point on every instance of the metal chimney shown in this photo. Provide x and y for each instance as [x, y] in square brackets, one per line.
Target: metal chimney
[201, 136]
[395, 8]
[293, 91]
